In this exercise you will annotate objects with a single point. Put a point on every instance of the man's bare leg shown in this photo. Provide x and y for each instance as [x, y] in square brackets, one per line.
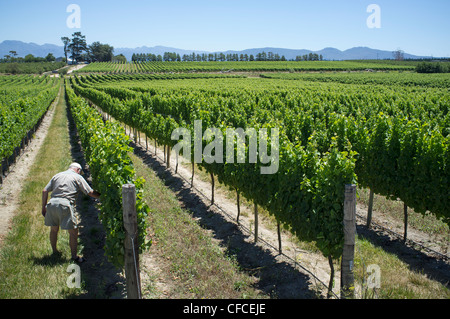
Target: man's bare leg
[54, 238]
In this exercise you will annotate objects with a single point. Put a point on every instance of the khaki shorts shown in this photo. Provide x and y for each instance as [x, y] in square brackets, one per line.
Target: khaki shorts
[60, 213]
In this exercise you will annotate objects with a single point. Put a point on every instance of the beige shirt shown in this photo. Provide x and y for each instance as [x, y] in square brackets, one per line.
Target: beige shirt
[67, 184]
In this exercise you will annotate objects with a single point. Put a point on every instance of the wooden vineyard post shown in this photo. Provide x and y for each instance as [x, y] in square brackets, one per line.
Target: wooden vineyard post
[1, 172]
[238, 206]
[256, 223]
[168, 156]
[348, 253]
[165, 158]
[192, 178]
[131, 249]
[405, 217]
[279, 236]
[212, 188]
[369, 211]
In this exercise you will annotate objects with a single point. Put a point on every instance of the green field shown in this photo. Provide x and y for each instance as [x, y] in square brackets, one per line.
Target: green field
[30, 67]
[253, 66]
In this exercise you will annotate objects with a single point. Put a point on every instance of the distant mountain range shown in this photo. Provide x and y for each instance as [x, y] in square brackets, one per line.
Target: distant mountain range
[356, 53]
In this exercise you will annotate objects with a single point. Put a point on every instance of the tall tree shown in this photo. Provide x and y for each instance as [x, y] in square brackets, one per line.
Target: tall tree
[66, 42]
[50, 57]
[77, 46]
[399, 55]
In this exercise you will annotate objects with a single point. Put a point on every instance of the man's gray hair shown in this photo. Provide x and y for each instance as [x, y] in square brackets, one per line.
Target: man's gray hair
[75, 165]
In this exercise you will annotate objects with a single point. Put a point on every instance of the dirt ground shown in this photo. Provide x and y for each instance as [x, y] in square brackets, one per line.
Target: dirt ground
[296, 273]
[71, 69]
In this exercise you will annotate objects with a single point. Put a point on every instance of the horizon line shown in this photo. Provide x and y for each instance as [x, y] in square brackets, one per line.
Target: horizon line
[237, 50]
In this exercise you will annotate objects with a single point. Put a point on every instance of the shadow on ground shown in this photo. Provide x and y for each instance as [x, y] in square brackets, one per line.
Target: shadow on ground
[436, 268]
[278, 279]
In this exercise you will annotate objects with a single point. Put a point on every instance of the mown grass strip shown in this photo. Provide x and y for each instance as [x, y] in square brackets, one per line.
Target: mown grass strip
[399, 280]
[28, 270]
[197, 265]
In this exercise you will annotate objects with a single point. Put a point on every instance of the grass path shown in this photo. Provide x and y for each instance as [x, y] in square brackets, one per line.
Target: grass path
[27, 267]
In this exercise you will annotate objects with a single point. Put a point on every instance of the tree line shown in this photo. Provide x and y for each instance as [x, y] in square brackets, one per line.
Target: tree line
[309, 57]
[221, 57]
[12, 58]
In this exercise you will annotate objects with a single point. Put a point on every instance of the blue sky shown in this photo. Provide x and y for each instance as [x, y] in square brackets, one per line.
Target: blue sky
[417, 27]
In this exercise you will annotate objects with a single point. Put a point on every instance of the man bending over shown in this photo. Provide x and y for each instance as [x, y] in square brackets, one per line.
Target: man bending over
[59, 211]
